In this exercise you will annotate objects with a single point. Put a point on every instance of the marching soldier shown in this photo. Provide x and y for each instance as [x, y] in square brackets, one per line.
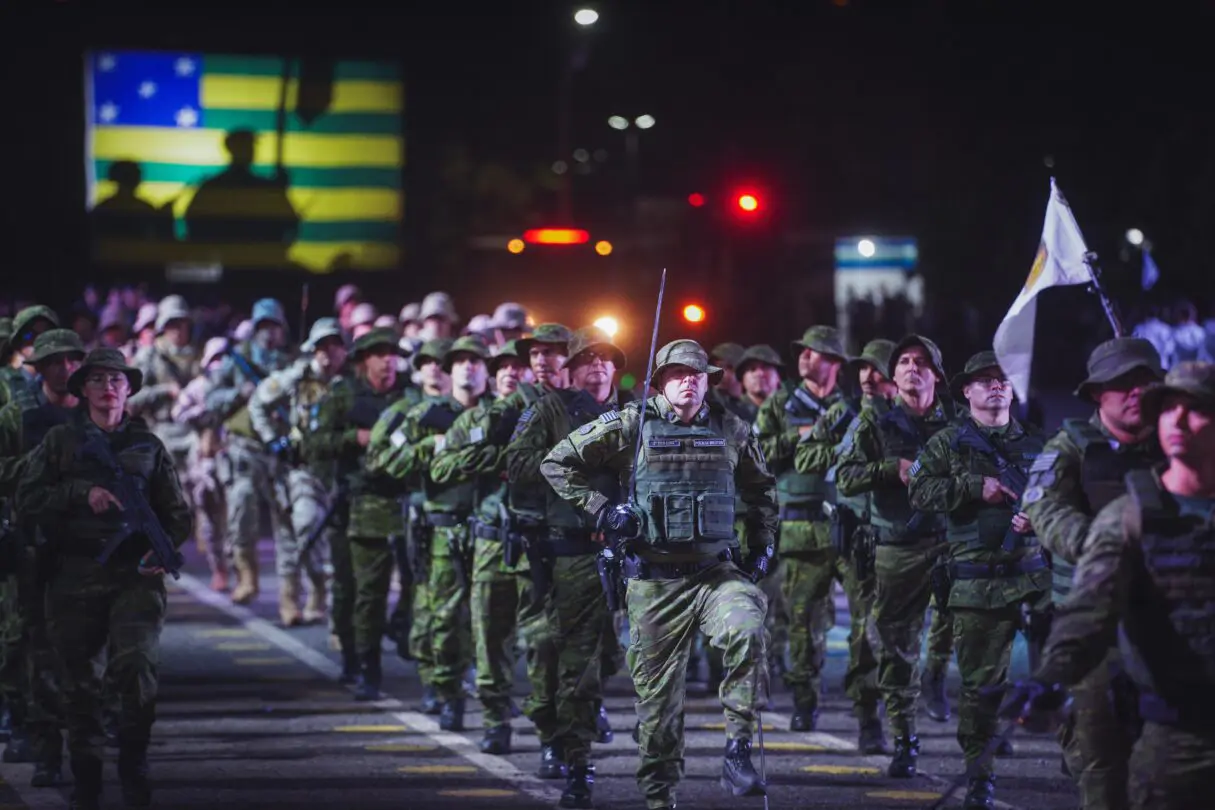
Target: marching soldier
[168, 365]
[974, 472]
[16, 381]
[683, 557]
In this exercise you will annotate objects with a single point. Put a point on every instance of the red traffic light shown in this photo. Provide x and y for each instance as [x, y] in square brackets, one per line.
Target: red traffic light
[556, 236]
[696, 199]
[748, 202]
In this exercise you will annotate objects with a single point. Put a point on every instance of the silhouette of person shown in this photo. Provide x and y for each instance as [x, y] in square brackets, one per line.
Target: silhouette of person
[239, 208]
[124, 215]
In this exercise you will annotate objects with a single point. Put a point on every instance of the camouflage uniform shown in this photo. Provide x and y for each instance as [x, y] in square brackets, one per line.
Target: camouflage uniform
[1145, 581]
[1081, 469]
[686, 577]
[809, 565]
[908, 545]
[20, 383]
[167, 370]
[993, 570]
[90, 605]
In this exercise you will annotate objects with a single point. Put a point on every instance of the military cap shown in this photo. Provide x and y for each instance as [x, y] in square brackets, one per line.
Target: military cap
[171, 308]
[473, 344]
[1116, 357]
[478, 323]
[728, 353]
[592, 337]
[345, 294]
[145, 318]
[213, 348]
[876, 353]
[685, 353]
[374, 339]
[6, 333]
[323, 329]
[974, 365]
[438, 305]
[25, 318]
[363, 314]
[550, 333]
[110, 360]
[268, 309]
[822, 339]
[509, 351]
[934, 354]
[1191, 378]
[510, 316]
[113, 317]
[53, 342]
[760, 353]
[410, 313]
[434, 349]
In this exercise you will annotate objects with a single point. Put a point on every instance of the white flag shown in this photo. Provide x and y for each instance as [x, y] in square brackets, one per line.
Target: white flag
[1059, 263]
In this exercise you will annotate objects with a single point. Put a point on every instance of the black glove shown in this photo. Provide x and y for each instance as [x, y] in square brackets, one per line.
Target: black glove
[1035, 704]
[500, 435]
[280, 447]
[620, 522]
[760, 562]
[437, 418]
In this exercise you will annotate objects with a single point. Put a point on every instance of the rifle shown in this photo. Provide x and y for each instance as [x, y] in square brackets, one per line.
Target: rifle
[438, 417]
[898, 417]
[337, 502]
[512, 542]
[256, 375]
[418, 548]
[1010, 474]
[609, 577]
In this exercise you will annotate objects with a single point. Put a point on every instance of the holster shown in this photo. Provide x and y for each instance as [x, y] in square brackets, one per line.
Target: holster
[459, 559]
[417, 547]
[864, 550]
[1036, 627]
[610, 578]
[843, 525]
[539, 562]
[941, 583]
[512, 540]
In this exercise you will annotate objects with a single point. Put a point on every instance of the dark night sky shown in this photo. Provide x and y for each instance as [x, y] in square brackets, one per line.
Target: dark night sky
[933, 122]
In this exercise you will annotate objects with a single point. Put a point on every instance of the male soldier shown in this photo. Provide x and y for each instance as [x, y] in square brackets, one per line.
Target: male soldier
[577, 613]
[115, 608]
[29, 662]
[784, 419]
[974, 472]
[727, 357]
[168, 365]
[759, 369]
[875, 460]
[250, 465]
[1080, 471]
[1146, 581]
[818, 453]
[16, 381]
[509, 322]
[404, 447]
[298, 389]
[438, 316]
[676, 529]
[346, 420]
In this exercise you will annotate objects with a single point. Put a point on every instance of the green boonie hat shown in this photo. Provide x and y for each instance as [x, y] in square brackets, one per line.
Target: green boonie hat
[509, 351]
[383, 336]
[323, 329]
[23, 319]
[473, 344]
[433, 350]
[1191, 378]
[730, 354]
[975, 364]
[822, 339]
[53, 342]
[109, 359]
[934, 354]
[876, 353]
[1116, 357]
[760, 353]
[553, 333]
[685, 353]
[592, 337]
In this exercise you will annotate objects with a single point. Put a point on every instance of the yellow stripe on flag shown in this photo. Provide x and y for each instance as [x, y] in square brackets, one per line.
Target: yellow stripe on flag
[205, 147]
[318, 257]
[262, 93]
[312, 204]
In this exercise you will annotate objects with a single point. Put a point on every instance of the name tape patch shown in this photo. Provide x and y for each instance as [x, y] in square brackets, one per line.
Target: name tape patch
[708, 442]
[659, 443]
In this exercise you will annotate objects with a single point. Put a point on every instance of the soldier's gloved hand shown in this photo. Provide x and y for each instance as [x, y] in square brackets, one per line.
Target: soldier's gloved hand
[760, 562]
[620, 522]
[1035, 704]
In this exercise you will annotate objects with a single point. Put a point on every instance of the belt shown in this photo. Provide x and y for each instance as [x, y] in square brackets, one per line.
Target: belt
[812, 512]
[572, 543]
[1002, 570]
[636, 568]
[443, 519]
[904, 539]
[486, 531]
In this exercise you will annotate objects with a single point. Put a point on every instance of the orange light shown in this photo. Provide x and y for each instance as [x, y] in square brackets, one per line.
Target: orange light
[693, 313]
[748, 202]
[515, 246]
[556, 236]
[603, 247]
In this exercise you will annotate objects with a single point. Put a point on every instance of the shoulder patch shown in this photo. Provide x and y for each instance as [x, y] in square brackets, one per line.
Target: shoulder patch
[1032, 495]
[476, 435]
[524, 418]
[586, 429]
[914, 468]
[609, 417]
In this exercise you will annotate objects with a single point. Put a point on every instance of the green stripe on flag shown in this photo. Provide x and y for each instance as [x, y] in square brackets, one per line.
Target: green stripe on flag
[348, 231]
[327, 124]
[300, 177]
[273, 66]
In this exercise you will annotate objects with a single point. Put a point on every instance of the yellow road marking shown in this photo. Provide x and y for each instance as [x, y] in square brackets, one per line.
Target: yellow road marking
[242, 646]
[906, 795]
[371, 729]
[264, 661]
[479, 793]
[225, 632]
[840, 769]
[399, 748]
[436, 769]
[781, 745]
[722, 727]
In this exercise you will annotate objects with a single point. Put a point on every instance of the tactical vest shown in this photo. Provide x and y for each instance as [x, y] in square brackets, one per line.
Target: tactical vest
[37, 421]
[1103, 472]
[1167, 636]
[580, 409]
[365, 399]
[986, 526]
[890, 510]
[794, 490]
[528, 501]
[136, 451]
[461, 497]
[239, 423]
[859, 504]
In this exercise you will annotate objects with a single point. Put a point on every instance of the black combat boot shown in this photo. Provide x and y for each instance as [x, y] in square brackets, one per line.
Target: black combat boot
[603, 726]
[47, 773]
[496, 740]
[19, 747]
[637, 732]
[980, 794]
[871, 740]
[133, 774]
[578, 787]
[738, 775]
[350, 662]
[906, 751]
[86, 793]
[370, 677]
[452, 716]
[552, 762]
[804, 719]
[936, 702]
[430, 701]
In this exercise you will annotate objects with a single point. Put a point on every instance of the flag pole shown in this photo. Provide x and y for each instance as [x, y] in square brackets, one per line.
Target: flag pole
[1107, 303]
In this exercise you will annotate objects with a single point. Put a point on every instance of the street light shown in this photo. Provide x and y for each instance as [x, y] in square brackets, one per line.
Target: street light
[645, 121]
[1135, 237]
[586, 16]
[618, 122]
[866, 248]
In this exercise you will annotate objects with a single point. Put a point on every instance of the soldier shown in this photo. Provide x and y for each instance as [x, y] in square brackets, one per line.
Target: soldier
[973, 472]
[29, 662]
[438, 317]
[249, 465]
[115, 608]
[1145, 581]
[346, 422]
[403, 447]
[683, 557]
[16, 381]
[576, 612]
[759, 371]
[784, 419]
[509, 322]
[875, 459]
[727, 357]
[1080, 471]
[167, 365]
[298, 390]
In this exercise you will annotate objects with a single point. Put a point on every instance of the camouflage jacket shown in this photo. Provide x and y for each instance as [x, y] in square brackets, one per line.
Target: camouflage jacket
[167, 370]
[13, 447]
[229, 396]
[17, 384]
[778, 437]
[295, 392]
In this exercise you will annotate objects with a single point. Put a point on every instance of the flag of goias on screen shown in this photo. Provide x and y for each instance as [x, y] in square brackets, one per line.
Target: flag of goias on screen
[253, 162]
[1060, 262]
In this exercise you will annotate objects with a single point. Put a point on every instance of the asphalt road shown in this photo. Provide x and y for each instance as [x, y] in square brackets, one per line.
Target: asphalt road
[251, 716]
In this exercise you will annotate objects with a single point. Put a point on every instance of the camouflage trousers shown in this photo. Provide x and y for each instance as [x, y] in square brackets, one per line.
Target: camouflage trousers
[12, 648]
[308, 502]
[30, 684]
[984, 640]
[901, 595]
[495, 607]
[940, 640]
[253, 484]
[209, 505]
[1096, 741]
[448, 630]
[87, 606]
[1171, 768]
[663, 617]
[371, 565]
[540, 646]
[577, 617]
[342, 588]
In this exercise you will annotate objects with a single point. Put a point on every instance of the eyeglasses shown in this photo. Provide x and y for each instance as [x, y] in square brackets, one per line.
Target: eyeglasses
[103, 380]
[991, 382]
[590, 356]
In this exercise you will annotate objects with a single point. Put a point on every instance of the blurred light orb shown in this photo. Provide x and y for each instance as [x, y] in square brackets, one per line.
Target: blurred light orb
[608, 324]
[866, 248]
[645, 121]
[586, 16]
[618, 122]
[603, 247]
[1135, 237]
[515, 246]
